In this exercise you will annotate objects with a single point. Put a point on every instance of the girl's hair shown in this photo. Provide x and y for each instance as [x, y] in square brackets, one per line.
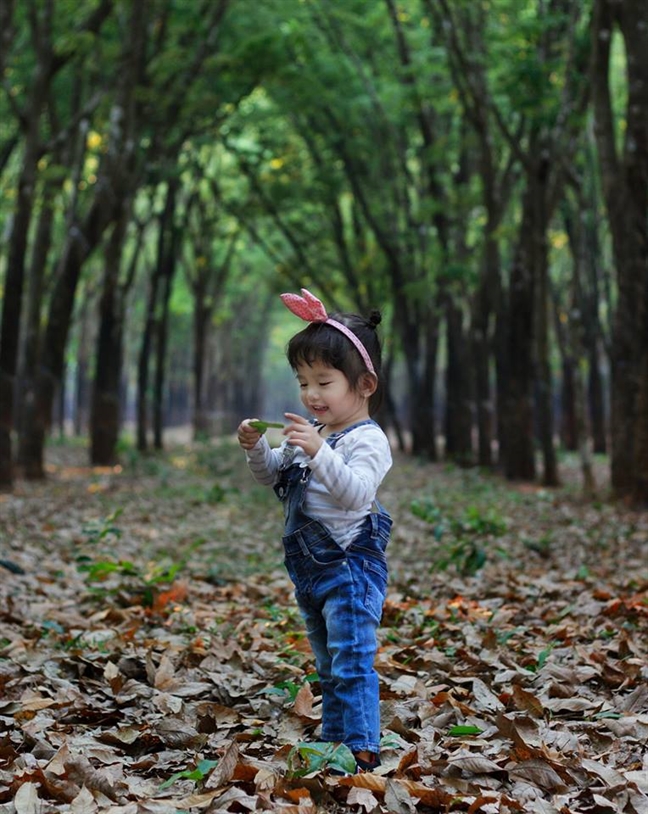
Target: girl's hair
[323, 343]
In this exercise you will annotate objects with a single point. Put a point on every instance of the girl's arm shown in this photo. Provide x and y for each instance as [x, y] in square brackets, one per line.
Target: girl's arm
[352, 480]
[263, 462]
[261, 459]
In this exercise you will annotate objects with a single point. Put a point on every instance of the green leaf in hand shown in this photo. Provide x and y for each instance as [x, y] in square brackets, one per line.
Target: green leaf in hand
[262, 426]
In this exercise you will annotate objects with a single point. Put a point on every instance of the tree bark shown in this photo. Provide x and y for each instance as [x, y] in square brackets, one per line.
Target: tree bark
[458, 423]
[105, 405]
[15, 274]
[116, 178]
[169, 245]
[518, 406]
[29, 458]
[625, 187]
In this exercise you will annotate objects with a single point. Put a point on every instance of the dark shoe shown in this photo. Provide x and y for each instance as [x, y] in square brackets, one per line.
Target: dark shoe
[362, 766]
[367, 765]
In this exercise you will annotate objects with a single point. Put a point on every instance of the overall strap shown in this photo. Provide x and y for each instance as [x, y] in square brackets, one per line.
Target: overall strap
[335, 437]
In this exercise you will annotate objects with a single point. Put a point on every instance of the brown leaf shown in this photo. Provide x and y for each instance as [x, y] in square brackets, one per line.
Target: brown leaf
[486, 700]
[398, 799]
[539, 773]
[84, 774]
[224, 771]
[303, 705]
[179, 735]
[84, 803]
[527, 701]
[476, 764]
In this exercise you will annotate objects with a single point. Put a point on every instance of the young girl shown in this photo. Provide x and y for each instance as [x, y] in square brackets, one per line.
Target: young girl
[326, 473]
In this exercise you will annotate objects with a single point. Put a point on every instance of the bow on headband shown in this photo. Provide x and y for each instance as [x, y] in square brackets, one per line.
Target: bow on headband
[310, 309]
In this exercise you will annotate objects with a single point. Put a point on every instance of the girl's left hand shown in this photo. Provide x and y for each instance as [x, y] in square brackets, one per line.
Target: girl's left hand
[301, 433]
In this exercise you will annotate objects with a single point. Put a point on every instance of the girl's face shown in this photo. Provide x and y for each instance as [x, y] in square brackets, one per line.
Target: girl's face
[327, 395]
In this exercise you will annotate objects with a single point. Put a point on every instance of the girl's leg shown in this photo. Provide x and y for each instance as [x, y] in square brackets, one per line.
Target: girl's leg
[332, 713]
[352, 614]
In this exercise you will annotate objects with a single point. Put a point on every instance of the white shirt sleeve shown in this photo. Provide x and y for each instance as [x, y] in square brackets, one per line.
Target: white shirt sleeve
[263, 462]
[353, 471]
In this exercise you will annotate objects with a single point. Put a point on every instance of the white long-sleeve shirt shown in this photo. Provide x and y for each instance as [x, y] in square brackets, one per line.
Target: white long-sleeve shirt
[344, 481]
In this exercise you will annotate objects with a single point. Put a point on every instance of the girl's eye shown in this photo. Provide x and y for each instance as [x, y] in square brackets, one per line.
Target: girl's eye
[323, 384]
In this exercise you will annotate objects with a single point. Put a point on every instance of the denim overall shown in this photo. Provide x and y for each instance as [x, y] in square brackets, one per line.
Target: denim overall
[340, 593]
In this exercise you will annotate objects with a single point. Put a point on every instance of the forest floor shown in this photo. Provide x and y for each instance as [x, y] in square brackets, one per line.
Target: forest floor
[151, 658]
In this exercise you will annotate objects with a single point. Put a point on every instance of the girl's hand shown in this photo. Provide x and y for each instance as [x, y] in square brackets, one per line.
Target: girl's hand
[300, 433]
[247, 435]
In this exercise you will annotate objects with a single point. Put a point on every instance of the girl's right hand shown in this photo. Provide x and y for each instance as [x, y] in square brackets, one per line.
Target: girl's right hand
[247, 435]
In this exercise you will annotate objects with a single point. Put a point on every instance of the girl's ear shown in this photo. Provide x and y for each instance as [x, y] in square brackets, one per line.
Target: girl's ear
[368, 384]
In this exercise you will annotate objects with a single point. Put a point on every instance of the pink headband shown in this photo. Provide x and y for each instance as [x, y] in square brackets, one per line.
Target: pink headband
[309, 308]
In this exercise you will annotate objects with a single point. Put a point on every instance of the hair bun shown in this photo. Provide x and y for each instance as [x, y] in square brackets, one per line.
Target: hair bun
[375, 318]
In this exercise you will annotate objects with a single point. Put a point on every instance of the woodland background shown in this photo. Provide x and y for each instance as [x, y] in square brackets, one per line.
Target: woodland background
[478, 169]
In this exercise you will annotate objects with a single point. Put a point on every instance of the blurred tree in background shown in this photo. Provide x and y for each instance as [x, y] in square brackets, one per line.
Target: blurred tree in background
[479, 171]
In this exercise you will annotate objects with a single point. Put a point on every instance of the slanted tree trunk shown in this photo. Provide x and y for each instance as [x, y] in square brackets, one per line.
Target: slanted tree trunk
[29, 457]
[168, 260]
[143, 359]
[15, 274]
[116, 178]
[82, 388]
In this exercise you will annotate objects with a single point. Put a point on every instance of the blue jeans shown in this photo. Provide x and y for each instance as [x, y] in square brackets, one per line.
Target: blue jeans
[340, 593]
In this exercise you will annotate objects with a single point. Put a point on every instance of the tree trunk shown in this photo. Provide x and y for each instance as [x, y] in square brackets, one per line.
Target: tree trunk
[419, 346]
[596, 402]
[568, 429]
[202, 314]
[29, 457]
[458, 421]
[82, 389]
[15, 275]
[517, 408]
[116, 178]
[143, 364]
[540, 262]
[168, 265]
[105, 409]
[484, 340]
[625, 186]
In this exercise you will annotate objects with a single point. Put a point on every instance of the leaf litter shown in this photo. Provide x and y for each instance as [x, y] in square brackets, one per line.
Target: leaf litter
[152, 659]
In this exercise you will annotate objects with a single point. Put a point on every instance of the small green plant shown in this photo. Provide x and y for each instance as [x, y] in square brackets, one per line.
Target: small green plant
[135, 584]
[476, 521]
[428, 511]
[542, 658]
[460, 534]
[215, 494]
[103, 528]
[289, 689]
[305, 758]
[198, 774]
[286, 689]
